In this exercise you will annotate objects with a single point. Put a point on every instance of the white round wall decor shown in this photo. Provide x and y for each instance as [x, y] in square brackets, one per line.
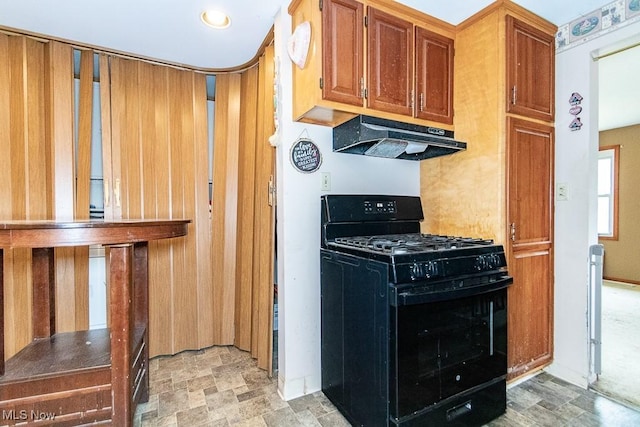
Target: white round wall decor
[298, 44]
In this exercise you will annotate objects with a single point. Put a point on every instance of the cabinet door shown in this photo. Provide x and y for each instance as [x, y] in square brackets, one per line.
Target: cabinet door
[434, 76]
[342, 46]
[530, 71]
[390, 63]
[530, 213]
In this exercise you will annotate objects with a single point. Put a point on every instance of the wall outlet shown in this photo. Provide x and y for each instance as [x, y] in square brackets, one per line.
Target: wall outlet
[325, 184]
[562, 192]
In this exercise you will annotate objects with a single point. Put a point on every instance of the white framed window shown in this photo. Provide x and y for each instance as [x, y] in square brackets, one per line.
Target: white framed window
[608, 165]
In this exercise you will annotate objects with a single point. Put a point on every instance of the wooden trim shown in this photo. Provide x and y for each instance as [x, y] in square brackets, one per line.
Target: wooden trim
[616, 197]
[618, 279]
[45, 234]
[399, 10]
[293, 6]
[103, 50]
[417, 17]
[511, 8]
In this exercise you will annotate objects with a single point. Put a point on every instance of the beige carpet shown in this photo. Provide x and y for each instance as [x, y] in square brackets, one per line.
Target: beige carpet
[620, 376]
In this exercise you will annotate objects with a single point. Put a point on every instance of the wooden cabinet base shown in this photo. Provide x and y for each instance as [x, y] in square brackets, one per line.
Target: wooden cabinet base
[66, 379]
[59, 380]
[82, 377]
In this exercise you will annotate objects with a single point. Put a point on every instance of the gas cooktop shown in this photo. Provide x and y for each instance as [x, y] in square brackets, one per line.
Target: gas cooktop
[414, 243]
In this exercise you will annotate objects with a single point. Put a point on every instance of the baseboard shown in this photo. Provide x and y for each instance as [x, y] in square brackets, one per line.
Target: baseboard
[617, 279]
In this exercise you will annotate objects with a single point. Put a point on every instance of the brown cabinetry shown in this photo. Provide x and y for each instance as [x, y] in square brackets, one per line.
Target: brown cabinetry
[434, 76]
[530, 70]
[501, 187]
[530, 147]
[343, 48]
[530, 150]
[389, 63]
[357, 68]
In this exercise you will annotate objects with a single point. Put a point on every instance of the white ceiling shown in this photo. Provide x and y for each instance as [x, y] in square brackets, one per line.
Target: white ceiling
[171, 30]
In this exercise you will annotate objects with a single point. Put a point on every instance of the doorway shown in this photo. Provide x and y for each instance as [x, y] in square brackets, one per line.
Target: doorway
[620, 342]
[620, 295]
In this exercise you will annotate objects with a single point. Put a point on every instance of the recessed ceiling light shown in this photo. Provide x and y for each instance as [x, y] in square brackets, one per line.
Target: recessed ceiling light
[215, 19]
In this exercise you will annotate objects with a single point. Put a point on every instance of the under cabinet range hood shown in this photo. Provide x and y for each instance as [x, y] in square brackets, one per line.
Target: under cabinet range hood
[372, 136]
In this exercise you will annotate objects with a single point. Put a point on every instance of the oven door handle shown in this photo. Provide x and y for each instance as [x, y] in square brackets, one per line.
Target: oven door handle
[418, 296]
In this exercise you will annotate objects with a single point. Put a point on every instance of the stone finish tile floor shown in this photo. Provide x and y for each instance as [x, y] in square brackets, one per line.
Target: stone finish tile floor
[222, 386]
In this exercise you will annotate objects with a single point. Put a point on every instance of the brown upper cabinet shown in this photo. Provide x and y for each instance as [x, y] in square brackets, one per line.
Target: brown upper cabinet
[390, 63]
[530, 70]
[384, 64]
[434, 76]
[342, 44]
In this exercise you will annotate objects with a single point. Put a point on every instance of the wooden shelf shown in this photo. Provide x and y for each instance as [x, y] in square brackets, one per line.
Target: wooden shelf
[82, 377]
[63, 352]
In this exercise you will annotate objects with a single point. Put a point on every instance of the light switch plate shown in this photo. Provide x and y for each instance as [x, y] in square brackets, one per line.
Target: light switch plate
[562, 192]
[325, 184]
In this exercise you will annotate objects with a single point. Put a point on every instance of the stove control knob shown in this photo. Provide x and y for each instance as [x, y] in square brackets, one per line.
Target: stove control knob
[416, 271]
[482, 263]
[495, 261]
[431, 269]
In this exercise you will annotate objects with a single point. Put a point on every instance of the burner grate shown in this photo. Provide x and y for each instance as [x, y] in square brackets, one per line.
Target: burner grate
[409, 243]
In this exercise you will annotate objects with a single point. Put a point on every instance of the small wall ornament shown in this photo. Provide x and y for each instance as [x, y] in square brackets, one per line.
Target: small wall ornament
[298, 44]
[575, 100]
[305, 155]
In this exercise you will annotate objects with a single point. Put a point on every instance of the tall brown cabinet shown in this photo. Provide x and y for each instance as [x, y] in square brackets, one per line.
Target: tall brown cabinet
[501, 187]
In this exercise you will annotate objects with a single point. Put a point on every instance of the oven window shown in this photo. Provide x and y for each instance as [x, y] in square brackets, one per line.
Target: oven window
[447, 347]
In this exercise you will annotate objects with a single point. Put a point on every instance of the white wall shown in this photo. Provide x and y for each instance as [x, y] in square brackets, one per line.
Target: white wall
[298, 229]
[575, 219]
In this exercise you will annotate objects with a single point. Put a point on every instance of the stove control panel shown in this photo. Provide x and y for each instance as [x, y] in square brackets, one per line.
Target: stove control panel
[449, 267]
[377, 207]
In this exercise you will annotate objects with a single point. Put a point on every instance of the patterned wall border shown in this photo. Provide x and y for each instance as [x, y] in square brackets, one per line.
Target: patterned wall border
[599, 22]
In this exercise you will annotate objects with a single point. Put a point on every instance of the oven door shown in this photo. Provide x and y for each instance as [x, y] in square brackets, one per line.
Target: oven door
[444, 348]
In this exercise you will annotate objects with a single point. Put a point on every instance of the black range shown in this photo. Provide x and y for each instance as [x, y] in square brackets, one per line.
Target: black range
[413, 325]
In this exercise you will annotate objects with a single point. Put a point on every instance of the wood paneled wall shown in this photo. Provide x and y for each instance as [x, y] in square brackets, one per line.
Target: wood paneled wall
[225, 204]
[243, 217]
[254, 291]
[36, 138]
[470, 184]
[264, 217]
[243, 214]
[246, 206]
[158, 128]
[214, 287]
